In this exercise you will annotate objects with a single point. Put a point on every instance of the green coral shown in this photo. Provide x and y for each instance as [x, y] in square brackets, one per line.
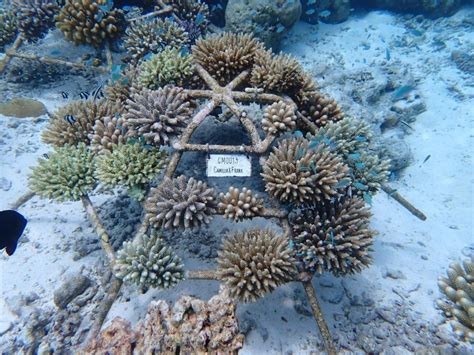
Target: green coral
[144, 37]
[8, 28]
[66, 174]
[167, 67]
[129, 165]
[148, 262]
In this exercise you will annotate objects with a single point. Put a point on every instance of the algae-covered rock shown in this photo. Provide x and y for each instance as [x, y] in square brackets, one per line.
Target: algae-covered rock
[21, 108]
[268, 20]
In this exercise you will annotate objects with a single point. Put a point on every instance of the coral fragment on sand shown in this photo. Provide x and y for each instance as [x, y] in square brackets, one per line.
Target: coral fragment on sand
[237, 205]
[180, 203]
[458, 304]
[66, 174]
[149, 263]
[254, 263]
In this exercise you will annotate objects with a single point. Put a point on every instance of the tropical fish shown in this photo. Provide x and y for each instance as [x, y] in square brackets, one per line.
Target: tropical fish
[367, 198]
[325, 13]
[426, 159]
[359, 165]
[387, 54]
[354, 156]
[69, 119]
[97, 93]
[12, 225]
[311, 2]
[280, 28]
[360, 138]
[403, 91]
[46, 156]
[55, 52]
[343, 183]
[310, 11]
[199, 19]
[360, 186]
[84, 95]
[65, 95]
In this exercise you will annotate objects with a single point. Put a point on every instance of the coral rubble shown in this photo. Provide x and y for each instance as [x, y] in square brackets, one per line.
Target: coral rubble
[255, 262]
[149, 263]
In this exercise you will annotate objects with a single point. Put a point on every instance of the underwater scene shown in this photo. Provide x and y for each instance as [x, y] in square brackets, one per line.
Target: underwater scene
[237, 176]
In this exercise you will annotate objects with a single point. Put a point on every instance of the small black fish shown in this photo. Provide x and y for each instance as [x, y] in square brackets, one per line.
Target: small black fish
[69, 119]
[12, 225]
[46, 156]
[97, 93]
[426, 159]
[64, 94]
[84, 95]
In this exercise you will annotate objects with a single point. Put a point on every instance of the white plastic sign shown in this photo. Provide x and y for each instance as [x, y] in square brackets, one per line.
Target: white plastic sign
[222, 165]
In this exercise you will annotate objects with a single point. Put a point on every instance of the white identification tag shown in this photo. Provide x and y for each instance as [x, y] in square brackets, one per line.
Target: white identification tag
[221, 165]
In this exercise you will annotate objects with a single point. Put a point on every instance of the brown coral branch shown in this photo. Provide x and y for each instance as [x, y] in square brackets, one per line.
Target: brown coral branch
[202, 275]
[99, 228]
[401, 200]
[47, 60]
[22, 200]
[6, 60]
[318, 315]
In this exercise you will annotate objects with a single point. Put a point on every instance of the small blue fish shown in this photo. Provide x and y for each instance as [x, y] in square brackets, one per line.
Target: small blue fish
[312, 165]
[325, 13]
[116, 68]
[311, 2]
[199, 19]
[292, 244]
[280, 28]
[354, 156]
[124, 81]
[387, 54]
[148, 56]
[69, 119]
[331, 234]
[310, 11]
[402, 92]
[360, 165]
[343, 183]
[184, 51]
[99, 16]
[367, 198]
[299, 154]
[55, 52]
[64, 94]
[89, 62]
[298, 134]
[360, 186]
[115, 77]
[360, 139]
[127, 8]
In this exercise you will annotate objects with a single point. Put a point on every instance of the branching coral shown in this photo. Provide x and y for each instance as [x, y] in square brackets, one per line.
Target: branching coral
[119, 90]
[346, 136]
[180, 203]
[320, 110]
[254, 263]
[281, 73]
[158, 115]
[108, 132]
[170, 66]
[297, 172]
[368, 171]
[225, 56]
[35, 17]
[86, 22]
[279, 117]
[148, 37]
[334, 236]
[8, 28]
[191, 11]
[66, 174]
[238, 205]
[149, 263]
[63, 129]
[458, 306]
[129, 165]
